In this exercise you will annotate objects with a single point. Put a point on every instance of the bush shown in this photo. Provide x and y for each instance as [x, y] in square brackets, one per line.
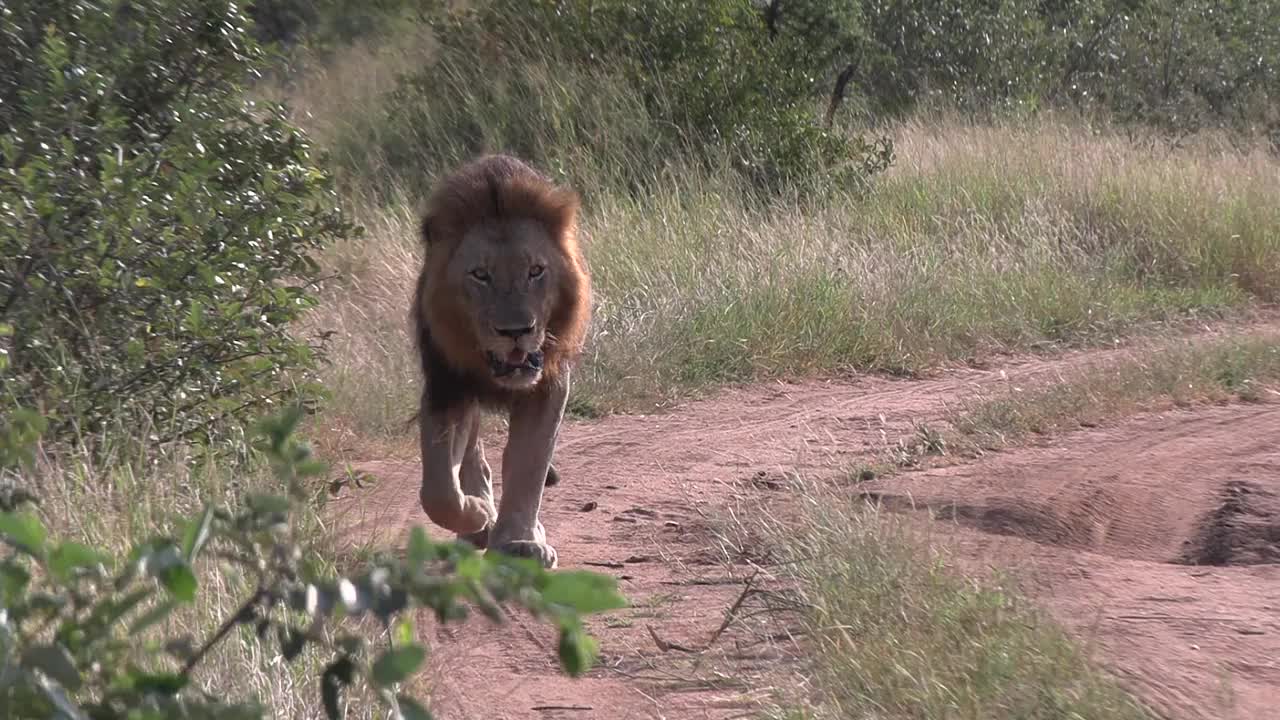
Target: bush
[637, 85]
[83, 634]
[1181, 66]
[1191, 65]
[323, 22]
[157, 229]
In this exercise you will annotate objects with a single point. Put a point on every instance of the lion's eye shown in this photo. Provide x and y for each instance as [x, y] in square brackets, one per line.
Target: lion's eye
[480, 275]
[536, 271]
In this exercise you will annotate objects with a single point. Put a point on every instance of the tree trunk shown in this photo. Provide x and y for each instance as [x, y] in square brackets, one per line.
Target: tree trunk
[838, 92]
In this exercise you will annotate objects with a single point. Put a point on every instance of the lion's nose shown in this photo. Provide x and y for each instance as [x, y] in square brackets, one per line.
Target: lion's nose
[514, 332]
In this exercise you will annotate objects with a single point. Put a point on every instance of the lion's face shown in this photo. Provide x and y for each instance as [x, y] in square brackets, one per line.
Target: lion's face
[507, 273]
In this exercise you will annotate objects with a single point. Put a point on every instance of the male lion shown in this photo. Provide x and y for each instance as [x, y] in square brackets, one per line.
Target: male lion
[499, 315]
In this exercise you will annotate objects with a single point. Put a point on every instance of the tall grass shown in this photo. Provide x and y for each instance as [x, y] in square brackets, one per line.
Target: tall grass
[1235, 367]
[899, 633]
[980, 239]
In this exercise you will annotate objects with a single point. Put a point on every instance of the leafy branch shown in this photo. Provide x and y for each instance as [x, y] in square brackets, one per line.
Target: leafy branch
[76, 628]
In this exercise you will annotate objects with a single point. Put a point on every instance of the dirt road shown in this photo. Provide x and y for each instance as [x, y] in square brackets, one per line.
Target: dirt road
[1155, 539]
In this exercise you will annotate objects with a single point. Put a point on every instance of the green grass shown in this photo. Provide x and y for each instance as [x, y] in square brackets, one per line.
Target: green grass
[980, 240]
[1008, 242]
[1243, 368]
[897, 633]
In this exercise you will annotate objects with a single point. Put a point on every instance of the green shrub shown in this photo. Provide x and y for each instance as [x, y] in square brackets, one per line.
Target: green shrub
[1185, 66]
[156, 228]
[1180, 66]
[631, 86]
[323, 22]
[84, 634]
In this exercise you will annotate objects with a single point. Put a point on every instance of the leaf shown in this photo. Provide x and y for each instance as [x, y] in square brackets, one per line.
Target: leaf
[397, 664]
[182, 648]
[470, 567]
[420, 547]
[577, 651]
[311, 468]
[54, 661]
[13, 581]
[24, 531]
[279, 427]
[113, 610]
[584, 592]
[197, 534]
[404, 631]
[268, 504]
[410, 709]
[159, 683]
[180, 582]
[292, 641]
[49, 604]
[336, 676]
[71, 556]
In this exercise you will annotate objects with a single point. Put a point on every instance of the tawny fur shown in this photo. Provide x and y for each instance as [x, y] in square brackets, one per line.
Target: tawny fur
[493, 189]
[490, 189]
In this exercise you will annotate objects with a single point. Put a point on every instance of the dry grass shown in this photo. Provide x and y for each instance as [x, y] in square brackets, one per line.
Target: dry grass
[338, 93]
[894, 631]
[980, 239]
[1171, 374]
[373, 369]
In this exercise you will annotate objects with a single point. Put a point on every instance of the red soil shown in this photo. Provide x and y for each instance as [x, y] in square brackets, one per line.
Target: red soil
[1156, 540]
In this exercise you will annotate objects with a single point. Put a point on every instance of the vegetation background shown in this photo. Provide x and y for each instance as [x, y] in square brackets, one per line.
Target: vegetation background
[209, 217]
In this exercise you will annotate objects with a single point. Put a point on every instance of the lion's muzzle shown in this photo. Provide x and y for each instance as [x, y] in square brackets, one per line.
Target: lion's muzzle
[516, 365]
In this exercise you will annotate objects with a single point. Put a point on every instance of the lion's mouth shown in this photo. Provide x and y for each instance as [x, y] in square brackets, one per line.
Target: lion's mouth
[516, 361]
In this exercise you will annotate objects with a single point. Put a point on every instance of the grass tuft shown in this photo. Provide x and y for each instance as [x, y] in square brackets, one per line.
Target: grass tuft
[898, 633]
[1178, 374]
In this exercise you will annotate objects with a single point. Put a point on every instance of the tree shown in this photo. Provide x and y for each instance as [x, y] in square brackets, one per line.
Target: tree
[157, 227]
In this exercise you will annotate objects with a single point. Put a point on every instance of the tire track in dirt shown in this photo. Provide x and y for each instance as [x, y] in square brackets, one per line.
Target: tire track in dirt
[1103, 528]
[638, 499]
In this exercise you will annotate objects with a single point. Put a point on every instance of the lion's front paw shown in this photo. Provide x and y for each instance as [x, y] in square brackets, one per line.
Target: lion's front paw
[541, 552]
[480, 538]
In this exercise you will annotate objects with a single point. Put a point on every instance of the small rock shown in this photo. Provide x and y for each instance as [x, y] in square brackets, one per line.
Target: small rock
[589, 506]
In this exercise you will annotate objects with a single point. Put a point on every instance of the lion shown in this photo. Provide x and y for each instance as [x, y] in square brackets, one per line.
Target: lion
[499, 316]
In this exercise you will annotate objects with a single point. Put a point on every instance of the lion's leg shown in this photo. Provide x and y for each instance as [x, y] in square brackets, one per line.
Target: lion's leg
[534, 426]
[477, 479]
[445, 438]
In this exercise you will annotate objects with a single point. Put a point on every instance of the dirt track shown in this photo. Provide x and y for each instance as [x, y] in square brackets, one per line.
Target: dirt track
[1102, 526]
